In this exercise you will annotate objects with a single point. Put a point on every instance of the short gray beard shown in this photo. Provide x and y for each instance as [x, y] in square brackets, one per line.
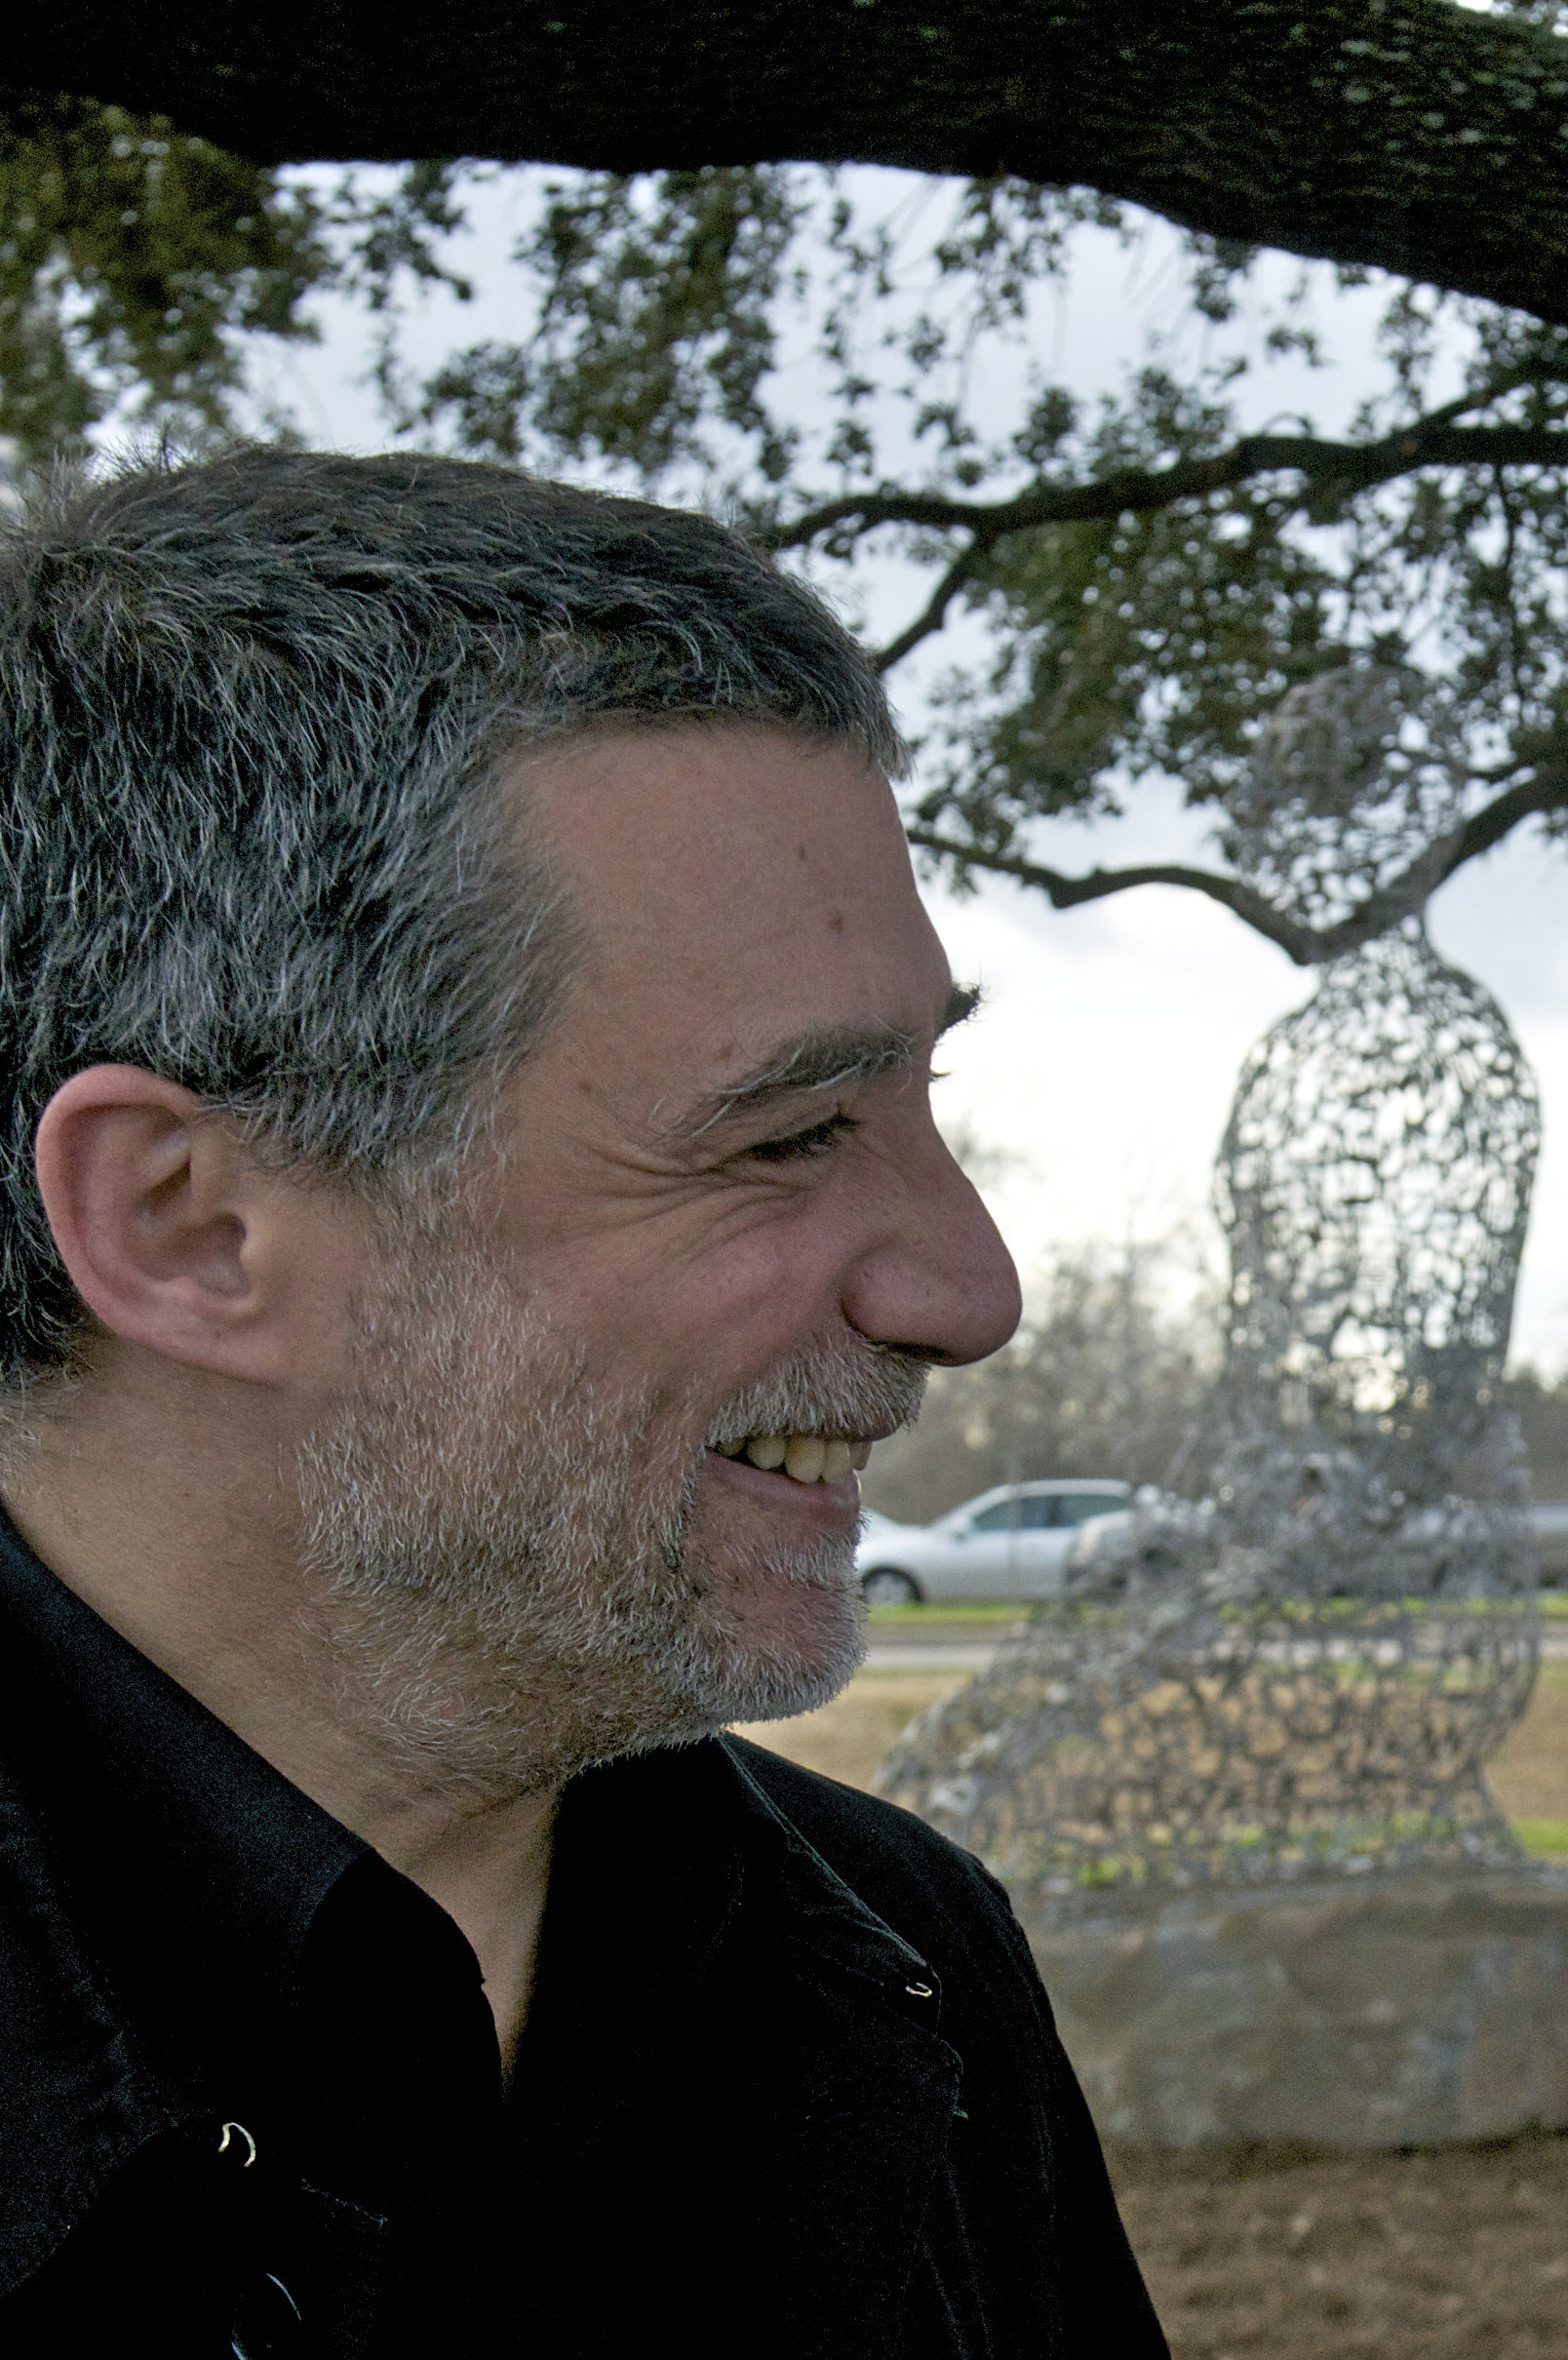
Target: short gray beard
[507, 1576]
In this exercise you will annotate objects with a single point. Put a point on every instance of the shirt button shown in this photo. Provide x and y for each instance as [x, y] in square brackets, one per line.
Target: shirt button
[266, 2321]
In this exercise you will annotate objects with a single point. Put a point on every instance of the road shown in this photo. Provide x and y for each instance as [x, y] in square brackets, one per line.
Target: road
[969, 1650]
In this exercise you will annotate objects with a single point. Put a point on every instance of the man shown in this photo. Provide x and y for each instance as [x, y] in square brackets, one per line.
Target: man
[469, 1203]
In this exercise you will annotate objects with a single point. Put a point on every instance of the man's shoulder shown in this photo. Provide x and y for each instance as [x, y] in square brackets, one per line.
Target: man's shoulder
[924, 1884]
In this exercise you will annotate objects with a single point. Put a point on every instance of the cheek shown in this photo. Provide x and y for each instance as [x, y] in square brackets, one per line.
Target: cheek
[783, 1277]
[726, 1302]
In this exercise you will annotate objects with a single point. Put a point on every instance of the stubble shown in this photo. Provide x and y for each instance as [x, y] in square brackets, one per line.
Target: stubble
[503, 1546]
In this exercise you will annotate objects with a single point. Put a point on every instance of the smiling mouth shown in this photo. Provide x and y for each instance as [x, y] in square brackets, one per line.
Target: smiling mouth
[807, 1458]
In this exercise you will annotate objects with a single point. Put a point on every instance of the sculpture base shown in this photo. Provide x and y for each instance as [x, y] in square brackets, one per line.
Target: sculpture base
[1424, 2008]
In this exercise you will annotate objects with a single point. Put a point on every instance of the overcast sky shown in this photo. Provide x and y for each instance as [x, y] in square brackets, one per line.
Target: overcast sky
[1105, 1059]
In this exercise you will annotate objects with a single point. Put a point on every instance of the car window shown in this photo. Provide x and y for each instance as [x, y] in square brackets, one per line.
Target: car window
[1078, 1507]
[1035, 1512]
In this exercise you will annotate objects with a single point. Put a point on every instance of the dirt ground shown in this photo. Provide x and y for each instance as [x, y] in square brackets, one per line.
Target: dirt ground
[1454, 2256]
[1459, 2255]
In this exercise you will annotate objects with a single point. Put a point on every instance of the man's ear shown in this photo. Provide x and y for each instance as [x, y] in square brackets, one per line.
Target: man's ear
[172, 1235]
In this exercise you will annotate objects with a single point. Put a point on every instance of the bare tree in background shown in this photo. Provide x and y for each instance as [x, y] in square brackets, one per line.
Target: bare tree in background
[1540, 1406]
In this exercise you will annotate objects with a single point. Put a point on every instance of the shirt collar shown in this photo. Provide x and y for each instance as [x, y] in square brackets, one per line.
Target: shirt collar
[174, 1877]
[195, 1869]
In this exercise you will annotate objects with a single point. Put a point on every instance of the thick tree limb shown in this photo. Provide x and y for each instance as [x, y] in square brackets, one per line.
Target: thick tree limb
[1413, 135]
[1304, 945]
[1329, 468]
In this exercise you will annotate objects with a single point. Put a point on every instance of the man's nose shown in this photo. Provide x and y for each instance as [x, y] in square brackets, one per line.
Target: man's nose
[939, 1280]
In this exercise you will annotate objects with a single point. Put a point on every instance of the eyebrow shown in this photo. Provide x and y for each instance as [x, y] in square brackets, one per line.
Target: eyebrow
[819, 1061]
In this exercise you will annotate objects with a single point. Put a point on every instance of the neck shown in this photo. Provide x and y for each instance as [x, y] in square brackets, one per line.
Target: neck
[191, 1556]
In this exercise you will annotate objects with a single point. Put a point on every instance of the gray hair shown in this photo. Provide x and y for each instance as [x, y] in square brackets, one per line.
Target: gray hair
[253, 714]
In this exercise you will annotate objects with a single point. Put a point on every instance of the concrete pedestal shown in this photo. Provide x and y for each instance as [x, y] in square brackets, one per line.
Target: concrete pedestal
[1418, 2009]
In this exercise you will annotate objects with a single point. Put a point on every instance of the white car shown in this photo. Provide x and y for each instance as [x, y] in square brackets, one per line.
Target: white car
[1010, 1543]
[1550, 1517]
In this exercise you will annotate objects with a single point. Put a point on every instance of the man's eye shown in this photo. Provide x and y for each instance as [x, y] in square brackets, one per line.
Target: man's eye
[797, 1144]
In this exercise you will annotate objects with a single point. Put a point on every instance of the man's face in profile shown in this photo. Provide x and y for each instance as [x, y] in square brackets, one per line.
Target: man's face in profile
[721, 1227]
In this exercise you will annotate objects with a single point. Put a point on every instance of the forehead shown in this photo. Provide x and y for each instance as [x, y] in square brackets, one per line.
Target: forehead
[752, 880]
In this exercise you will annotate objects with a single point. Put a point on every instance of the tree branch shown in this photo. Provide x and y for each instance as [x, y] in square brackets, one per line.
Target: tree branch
[1303, 945]
[934, 614]
[1419, 138]
[1335, 467]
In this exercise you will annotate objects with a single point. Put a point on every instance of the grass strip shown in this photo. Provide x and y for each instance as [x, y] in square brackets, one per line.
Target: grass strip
[1543, 1838]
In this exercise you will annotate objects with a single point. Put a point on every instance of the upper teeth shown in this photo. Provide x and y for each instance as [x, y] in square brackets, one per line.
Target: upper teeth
[810, 1458]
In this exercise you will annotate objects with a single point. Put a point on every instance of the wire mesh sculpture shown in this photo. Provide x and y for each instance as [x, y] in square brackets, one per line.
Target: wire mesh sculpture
[1304, 1669]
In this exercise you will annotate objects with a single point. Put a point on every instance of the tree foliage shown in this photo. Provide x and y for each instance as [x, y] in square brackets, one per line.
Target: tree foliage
[139, 264]
[653, 327]
[136, 262]
[1152, 574]
[856, 372]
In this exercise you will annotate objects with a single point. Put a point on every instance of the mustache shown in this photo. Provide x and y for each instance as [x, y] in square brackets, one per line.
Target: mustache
[848, 1389]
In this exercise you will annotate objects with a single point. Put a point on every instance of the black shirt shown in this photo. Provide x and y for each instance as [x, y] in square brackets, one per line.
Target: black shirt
[788, 2079]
